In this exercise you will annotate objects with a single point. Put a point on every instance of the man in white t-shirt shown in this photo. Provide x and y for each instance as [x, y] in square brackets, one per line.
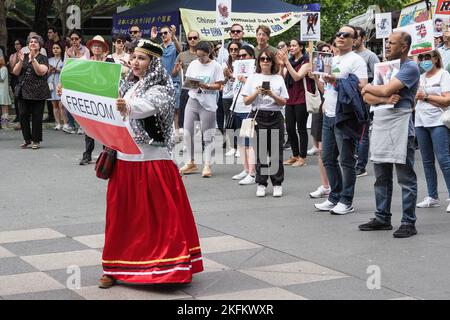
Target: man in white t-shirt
[342, 174]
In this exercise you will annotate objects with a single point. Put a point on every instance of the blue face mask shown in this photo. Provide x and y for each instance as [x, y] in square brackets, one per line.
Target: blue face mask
[426, 65]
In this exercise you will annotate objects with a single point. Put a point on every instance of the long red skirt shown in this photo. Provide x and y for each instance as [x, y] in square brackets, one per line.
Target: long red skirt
[150, 235]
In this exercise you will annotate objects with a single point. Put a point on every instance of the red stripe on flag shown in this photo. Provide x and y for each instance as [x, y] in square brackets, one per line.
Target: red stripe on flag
[112, 136]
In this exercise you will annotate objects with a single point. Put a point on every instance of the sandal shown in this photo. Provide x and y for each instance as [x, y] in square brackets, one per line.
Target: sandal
[25, 145]
[106, 282]
[35, 146]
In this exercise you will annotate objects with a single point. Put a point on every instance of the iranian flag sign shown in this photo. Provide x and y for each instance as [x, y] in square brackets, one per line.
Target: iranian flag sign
[90, 90]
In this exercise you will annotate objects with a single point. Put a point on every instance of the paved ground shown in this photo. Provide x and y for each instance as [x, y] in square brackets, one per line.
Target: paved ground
[52, 217]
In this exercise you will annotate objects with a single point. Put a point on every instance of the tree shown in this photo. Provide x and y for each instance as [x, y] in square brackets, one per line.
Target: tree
[3, 31]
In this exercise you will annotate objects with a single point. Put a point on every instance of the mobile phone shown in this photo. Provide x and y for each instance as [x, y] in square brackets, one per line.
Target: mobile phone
[266, 85]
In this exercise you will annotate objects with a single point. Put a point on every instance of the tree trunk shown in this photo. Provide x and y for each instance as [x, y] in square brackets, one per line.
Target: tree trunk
[40, 24]
[3, 31]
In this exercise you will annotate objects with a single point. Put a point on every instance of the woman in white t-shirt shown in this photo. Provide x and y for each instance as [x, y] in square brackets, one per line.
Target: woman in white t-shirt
[267, 93]
[241, 112]
[433, 98]
[202, 106]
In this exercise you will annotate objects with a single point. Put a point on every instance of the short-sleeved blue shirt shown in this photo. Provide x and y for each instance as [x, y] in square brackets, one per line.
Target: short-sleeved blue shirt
[168, 60]
[409, 75]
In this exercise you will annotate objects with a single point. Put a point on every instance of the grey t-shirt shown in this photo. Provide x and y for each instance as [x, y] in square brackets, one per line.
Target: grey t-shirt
[370, 58]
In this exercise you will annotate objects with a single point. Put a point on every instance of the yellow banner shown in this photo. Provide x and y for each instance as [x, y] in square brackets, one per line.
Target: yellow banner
[205, 23]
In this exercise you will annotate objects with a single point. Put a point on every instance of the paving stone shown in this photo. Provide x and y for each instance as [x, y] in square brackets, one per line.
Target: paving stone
[259, 294]
[225, 243]
[92, 241]
[14, 265]
[293, 273]
[27, 248]
[89, 276]
[27, 283]
[212, 266]
[4, 253]
[28, 235]
[47, 295]
[63, 260]
[84, 229]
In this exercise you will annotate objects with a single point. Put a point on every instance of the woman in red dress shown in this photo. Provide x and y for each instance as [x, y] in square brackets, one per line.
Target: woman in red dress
[150, 235]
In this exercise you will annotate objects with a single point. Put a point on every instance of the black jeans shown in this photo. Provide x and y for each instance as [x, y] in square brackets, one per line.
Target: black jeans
[184, 97]
[296, 119]
[89, 147]
[35, 110]
[269, 126]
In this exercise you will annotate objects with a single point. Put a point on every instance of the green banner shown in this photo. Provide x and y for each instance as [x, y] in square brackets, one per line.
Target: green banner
[94, 77]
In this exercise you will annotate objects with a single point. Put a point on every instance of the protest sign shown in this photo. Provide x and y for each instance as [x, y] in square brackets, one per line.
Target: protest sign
[322, 62]
[383, 24]
[414, 14]
[310, 26]
[383, 73]
[441, 17]
[90, 90]
[422, 35]
[243, 68]
[223, 13]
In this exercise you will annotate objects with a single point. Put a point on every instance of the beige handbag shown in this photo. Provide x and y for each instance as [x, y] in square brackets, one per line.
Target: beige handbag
[313, 100]
[248, 127]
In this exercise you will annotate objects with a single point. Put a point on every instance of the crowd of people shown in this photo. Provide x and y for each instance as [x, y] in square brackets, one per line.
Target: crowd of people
[273, 94]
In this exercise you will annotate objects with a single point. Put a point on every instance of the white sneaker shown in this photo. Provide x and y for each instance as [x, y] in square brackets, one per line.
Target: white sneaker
[237, 154]
[277, 191]
[58, 127]
[248, 180]
[313, 151]
[342, 209]
[325, 206]
[321, 192]
[241, 175]
[68, 129]
[429, 202]
[448, 208]
[261, 191]
[80, 130]
[231, 153]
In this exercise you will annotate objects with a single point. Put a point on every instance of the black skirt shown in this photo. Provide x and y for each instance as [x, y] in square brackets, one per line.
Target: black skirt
[316, 125]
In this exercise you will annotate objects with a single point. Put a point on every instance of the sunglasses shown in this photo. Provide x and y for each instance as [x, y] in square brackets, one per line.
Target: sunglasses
[265, 59]
[425, 57]
[346, 35]
[134, 31]
[192, 38]
[242, 56]
[119, 41]
[235, 31]
[74, 39]
[163, 33]
[234, 49]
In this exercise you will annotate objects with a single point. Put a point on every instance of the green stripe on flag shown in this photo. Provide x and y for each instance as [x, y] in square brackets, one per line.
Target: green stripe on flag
[94, 77]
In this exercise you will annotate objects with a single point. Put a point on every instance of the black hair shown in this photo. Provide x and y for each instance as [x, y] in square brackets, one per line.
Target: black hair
[249, 50]
[121, 36]
[361, 32]
[355, 36]
[53, 29]
[77, 32]
[205, 46]
[300, 44]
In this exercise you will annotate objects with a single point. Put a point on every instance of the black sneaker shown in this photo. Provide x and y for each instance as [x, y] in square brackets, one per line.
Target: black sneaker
[48, 120]
[374, 225]
[405, 231]
[361, 173]
[85, 162]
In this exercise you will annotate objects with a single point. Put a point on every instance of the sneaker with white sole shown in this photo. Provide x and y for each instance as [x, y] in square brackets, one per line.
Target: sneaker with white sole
[429, 202]
[231, 153]
[261, 191]
[448, 208]
[325, 206]
[58, 127]
[313, 151]
[321, 192]
[277, 191]
[80, 130]
[342, 209]
[237, 154]
[248, 180]
[69, 129]
[241, 175]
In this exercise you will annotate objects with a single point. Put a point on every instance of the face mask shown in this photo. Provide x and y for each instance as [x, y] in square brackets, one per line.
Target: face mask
[426, 65]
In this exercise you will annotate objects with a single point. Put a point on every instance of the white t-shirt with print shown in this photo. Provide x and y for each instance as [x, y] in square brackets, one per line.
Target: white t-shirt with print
[343, 66]
[209, 73]
[427, 115]
[266, 103]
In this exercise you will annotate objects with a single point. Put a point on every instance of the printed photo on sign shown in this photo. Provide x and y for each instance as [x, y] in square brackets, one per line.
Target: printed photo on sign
[223, 12]
[322, 62]
[422, 35]
[383, 73]
[310, 26]
[383, 23]
[414, 14]
[440, 23]
[243, 68]
[192, 83]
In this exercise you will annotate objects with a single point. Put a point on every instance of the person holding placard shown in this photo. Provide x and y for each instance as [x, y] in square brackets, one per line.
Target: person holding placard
[150, 234]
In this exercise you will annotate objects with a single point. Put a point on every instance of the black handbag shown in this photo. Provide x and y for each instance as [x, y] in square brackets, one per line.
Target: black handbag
[229, 121]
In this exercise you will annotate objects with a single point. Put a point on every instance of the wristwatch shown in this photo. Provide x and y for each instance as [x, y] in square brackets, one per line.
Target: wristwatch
[426, 98]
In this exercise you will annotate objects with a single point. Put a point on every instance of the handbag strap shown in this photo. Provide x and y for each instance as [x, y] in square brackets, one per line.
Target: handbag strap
[306, 86]
[236, 98]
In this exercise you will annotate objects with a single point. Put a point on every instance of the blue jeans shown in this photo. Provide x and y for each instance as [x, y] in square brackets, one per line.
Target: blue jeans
[342, 174]
[363, 150]
[407, 180]
[70, 119]
[434, 141]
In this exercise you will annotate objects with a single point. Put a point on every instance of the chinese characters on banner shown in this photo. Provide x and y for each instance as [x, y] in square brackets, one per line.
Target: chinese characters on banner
[122, 24]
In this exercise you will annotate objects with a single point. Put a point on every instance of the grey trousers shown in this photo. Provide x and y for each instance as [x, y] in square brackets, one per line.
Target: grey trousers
[193, 113]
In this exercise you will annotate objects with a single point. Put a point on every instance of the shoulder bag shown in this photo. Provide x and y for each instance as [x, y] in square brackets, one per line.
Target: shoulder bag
[248, 127]
[313, 100]
[104, 165]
